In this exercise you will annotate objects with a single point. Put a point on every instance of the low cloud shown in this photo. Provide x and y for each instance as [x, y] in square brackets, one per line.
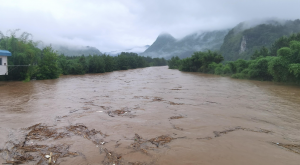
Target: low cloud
[114, 25]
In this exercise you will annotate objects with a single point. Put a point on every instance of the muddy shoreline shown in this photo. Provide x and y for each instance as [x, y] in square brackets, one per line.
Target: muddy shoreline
[149, 116]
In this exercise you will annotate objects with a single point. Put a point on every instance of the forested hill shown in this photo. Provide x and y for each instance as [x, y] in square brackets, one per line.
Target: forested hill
[241, 42]
[77, 51]
[167, 46]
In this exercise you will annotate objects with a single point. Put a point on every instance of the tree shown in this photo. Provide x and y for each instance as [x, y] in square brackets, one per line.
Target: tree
[174, 63]
[109, 63]
[258, 69]
[47, 67]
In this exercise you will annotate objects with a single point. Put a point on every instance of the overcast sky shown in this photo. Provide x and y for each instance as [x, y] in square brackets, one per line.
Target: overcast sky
[121, 24]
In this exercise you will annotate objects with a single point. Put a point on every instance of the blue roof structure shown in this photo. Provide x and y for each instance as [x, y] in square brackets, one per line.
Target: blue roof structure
[5, 53]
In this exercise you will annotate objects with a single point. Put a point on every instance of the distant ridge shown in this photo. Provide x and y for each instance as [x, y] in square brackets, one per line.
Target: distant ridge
[167, 46]
[77, 51]
[239, 42]
[137, 49]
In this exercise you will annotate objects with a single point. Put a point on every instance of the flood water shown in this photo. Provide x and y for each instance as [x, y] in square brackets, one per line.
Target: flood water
[152, 116]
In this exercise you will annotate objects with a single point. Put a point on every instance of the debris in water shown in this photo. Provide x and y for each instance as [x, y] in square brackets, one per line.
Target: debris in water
[140, 97]
[292, 147]
[105, 108]
[22, 154]
[83, 131]
[112, 158]
[205, 138]
[176, 117]
[172, 103]
[86, 108]
[161, 140]
[264, 131]
[143, 145]
[117, 145]
[157, 99]
[23, 150]
[50, 157]
[138, 141]
[219, 133]
[136, 163]
[120, 112]
[178, 128]
[123, 112]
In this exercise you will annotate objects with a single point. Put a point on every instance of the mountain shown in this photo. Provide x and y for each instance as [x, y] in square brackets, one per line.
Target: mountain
[167, 46]
[138, 50]
[77, 51]
[242, 41]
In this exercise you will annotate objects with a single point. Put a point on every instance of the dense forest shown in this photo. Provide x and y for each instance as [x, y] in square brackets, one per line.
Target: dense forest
[280, 63]
[28, 61]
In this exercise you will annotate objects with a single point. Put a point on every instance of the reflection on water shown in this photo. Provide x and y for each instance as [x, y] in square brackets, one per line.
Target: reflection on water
[222, 120]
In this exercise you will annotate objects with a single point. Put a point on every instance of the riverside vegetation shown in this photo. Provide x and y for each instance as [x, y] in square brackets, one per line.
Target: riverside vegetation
[46, 63]
[279, 63]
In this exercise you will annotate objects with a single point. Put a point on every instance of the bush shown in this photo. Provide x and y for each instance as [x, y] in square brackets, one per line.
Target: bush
[226, 69]
[278, 68]
[241, 65]
[245, 71]
[212, 67]
[239, 76]
[258, 69]
[219, 70]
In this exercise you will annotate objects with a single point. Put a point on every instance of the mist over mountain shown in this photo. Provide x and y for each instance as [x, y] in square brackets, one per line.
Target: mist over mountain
[167, 46]
[77, 51]
[137, 49]
[242, 41]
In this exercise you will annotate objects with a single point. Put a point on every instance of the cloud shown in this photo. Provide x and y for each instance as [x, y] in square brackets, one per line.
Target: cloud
[116, 24]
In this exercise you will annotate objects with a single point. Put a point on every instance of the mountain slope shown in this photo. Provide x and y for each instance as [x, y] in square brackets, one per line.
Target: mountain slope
[167, 46]
[77, 51]
[163, 43]
[242, 41]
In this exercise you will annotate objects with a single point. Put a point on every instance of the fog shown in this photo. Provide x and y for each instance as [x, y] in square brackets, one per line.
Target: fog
[112, 25]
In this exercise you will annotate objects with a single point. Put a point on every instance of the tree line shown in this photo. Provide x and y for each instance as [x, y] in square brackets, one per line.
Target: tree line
[46, 63]
[280, 63]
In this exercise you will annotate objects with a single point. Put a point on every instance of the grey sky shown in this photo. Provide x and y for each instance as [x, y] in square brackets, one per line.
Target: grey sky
[120, 24]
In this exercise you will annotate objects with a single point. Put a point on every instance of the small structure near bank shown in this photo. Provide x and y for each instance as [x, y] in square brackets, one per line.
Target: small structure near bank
[3, 62]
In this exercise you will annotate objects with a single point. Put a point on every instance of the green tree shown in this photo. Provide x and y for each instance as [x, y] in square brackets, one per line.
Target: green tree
[258, 69]
[174, 63]
[48, 67]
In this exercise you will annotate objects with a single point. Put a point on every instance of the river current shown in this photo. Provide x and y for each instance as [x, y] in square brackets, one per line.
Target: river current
[151, 116]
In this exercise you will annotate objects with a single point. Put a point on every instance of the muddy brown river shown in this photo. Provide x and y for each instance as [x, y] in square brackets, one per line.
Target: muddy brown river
[149, 116]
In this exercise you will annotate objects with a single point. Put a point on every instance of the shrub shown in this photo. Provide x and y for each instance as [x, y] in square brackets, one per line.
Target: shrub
[239, 76]
[258, 69]
[219, 70]
[226, 69]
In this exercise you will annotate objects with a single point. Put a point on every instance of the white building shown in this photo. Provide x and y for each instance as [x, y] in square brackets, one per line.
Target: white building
[3, 62]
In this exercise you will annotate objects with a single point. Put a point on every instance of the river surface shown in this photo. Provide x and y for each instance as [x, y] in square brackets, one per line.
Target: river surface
[152, 116]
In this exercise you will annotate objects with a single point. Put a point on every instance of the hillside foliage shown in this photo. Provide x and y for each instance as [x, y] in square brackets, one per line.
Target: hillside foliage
[284, 66]
[263, 35]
